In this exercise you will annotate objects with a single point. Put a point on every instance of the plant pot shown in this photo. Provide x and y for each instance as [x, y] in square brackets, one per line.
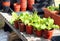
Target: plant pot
[29, 29]
[22, 27]
[16, 24]
[47, 12]
[16, 7]
[56, 18]
[23, 9]
[23, 4]
[30, 4]
[6, 3]
[23, 1]
[38, 33]
[48, 34]
[31, 1]
[30, 8]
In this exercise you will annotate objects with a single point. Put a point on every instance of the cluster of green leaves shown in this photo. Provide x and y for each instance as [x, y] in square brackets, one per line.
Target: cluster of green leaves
[25, 17]
[35, 21]
[53, 8]
[49, 23]
[14, 17]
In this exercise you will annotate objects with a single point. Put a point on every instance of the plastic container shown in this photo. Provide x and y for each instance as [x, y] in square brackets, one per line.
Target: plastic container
[29, 29]
[47, 34]
[38, 33]
[16, 7]
[16, 24]
[23, 4]
[30, 4]
[21, 27]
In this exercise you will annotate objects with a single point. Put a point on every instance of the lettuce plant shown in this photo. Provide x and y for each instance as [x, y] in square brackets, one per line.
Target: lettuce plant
[25, 17]
[50, 24]
[35, 21]
[53, 8]
[45, 23]
[14, 17]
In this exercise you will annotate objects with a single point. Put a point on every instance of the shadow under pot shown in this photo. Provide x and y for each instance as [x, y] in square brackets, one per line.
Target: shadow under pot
[38, 33]
[21, 27]
[47, 34]
[16, 24]
[29, 29]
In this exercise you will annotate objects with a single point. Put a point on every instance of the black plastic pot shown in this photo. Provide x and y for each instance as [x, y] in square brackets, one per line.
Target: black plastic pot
[55, 38]
[6, 9]
[36, 7]
[40, 1]
[5, 0]
[49, 2]
[5, 5]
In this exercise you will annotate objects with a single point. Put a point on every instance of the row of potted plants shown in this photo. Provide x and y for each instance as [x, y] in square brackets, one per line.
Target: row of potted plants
[53, 12]
[32, 23]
